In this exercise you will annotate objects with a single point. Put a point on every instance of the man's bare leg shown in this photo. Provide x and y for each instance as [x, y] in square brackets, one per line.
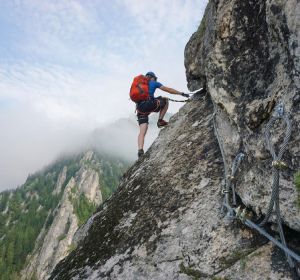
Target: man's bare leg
[163, 110]
[141, 137]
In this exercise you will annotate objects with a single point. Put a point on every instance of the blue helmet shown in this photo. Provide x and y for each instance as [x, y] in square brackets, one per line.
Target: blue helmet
[151, 74]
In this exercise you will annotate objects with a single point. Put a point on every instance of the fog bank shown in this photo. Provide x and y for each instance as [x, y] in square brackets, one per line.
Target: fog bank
[30, 140]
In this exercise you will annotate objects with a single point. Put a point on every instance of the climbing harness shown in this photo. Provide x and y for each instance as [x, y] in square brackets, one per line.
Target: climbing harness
[194, 97]
[146, 113]
[167, 98]
[277, 164]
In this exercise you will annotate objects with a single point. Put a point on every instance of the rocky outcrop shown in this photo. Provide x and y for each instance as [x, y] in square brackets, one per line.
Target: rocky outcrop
[55, 244]
[164, 221]
[87, 157]
[61, 179]
[249, 58]
[6, 209]
[88, 182]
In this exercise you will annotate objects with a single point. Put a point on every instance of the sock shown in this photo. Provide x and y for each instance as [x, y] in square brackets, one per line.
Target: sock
[159, 120]
[141, 151]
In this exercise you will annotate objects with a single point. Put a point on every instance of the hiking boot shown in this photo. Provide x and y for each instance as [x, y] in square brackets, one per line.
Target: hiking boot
[140, 153]
[161, 123]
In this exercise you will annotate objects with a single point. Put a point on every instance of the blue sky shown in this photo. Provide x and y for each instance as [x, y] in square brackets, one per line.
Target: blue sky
[66, 68]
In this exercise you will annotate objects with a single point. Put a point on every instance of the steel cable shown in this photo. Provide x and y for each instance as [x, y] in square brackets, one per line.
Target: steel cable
[235, 166]
[226, 199]
[283, 247]
[275, 188]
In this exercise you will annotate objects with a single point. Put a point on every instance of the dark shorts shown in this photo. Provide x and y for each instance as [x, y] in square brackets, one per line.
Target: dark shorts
[150, 106]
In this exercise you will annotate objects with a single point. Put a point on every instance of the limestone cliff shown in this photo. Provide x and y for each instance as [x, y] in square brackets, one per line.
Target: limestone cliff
[82, 189]
[164, 220]
[54, 245]
[249, 57]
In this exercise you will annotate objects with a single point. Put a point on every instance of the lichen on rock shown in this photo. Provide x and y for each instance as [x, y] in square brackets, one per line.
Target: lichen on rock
[248, 72]
[164, 220]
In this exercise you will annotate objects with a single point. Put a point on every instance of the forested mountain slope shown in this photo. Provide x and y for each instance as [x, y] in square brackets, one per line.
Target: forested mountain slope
[39, 219]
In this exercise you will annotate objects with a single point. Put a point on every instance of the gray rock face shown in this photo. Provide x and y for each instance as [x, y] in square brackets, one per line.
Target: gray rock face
[53, 246]
[82, 231]
[61, 179]
[88, 182]
[56, 242]
[164, 221]
[251, 66]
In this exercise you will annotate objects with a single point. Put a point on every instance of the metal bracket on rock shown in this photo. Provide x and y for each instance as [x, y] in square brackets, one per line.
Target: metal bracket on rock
[225, 192]
[238, 159]
[246, 216]
[239, 211]
[240, 156]
[243, 214]
[231, 178]
[231, 214]
[279, 110]
[279, 164]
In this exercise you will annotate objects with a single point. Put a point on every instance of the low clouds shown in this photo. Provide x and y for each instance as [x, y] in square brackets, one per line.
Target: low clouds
[120, 137]
[66, 68]
[30, 140]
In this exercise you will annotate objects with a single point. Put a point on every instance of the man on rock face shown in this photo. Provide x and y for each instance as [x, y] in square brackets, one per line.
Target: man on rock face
[151, 105]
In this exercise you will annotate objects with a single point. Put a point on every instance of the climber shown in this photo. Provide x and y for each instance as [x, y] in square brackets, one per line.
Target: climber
[150, 105]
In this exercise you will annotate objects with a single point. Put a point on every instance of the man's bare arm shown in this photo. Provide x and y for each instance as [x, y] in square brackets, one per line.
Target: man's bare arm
[170, 90]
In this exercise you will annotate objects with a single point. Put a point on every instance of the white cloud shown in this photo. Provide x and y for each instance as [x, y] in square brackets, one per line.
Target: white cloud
[70, 64]
[29, 141]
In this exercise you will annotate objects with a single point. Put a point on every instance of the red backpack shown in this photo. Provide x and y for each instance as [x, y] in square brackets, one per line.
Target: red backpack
[139, 89]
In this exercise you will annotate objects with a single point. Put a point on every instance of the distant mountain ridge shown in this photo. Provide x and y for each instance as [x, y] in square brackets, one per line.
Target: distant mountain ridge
[39, 219]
